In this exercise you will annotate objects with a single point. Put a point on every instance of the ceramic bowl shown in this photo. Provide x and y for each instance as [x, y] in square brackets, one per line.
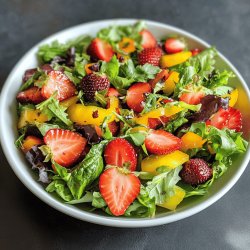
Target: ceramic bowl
[191, 206]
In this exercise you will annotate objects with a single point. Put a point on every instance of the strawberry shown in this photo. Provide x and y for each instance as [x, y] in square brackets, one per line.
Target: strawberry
[136, 95]
[112, 92]
[119, 189]
[31, 95]
[148, 40]
[161, 76]
[92, 83]
[66, 146]
[154, 123]
[195, 51]
[113, 127]
[119, 152]
[100, 50]
[226, 118]
[57, 81]
[192, 97]
[174, 45]
[150, 55]
[196, 171]
[160, 142]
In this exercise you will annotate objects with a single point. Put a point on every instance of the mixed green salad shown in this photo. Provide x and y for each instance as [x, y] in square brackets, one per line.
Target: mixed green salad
[126, 123]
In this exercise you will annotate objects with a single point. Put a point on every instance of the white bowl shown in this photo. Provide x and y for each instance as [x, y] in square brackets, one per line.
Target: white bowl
[17, 161]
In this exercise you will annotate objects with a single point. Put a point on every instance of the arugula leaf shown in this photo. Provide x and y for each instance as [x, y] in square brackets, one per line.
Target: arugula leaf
[44, 127]
[143, 206]
[178, 120]
[162, 186]
[31, 80]
[52, 108]
[48, 51]
[107, 134]
[98, 201]
[217, 78]
[138, 138]
[111, 68]
[19, 140]
[87, 198]
[115, 33]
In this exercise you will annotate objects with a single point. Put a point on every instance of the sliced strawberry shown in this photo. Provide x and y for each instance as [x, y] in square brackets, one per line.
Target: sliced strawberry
[160, 142]
[150, 55]
[192, 97]
[136, 95]
[148, 40]
[59, 82]
[195, 51]
[119, 152]
[161, 76]
[154, 123]
[113, 127]
[31, 95]
[227, 118]
[119, 189]
[112, 92]
[174, 45]
[66, 146]
[100, 50]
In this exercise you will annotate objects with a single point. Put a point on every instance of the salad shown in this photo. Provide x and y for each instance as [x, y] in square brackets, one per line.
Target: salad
[126, 123]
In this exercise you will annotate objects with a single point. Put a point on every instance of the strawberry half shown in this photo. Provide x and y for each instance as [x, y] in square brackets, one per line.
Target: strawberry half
[119, 189]
[112, 92]
[227, 118]
[148, 40]
[160, 142]
[174, 45]
[136, 95]
[66, 146]
[113, 127]
[57, 81]
[92, 83]
[196, 171]
[100, 50]
[161, 76]
[154, 123]
[31, 95]
[150, 55]
[192, 97]
[119, 152]
[195, 51]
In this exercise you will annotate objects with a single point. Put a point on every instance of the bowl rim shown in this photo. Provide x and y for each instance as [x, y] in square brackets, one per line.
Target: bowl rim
[95, 218]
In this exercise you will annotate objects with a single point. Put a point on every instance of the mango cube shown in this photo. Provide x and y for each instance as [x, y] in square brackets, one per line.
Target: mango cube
[172, 202]
[172, 160]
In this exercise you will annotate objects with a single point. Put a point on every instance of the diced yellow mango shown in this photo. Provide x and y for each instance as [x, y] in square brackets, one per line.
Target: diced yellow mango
[172, 202]
[30, 116]
[169, 84]
[191, 140]
[172, 160]
[83, 115]
[139, 129]
[171, 60]
[127, 45]
[156, 113]
[70, 101]
[233, 97]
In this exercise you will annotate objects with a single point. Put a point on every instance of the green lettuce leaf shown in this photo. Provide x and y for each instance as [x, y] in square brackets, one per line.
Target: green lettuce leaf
[162, 186]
